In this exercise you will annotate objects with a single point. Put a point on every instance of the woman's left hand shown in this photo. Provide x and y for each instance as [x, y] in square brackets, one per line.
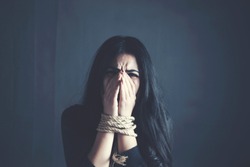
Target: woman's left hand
[127, 96]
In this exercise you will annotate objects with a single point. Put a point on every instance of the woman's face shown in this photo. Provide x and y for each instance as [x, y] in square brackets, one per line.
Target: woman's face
[128, 64]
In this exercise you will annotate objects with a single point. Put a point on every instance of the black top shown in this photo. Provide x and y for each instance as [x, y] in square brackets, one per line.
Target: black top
[79, 132]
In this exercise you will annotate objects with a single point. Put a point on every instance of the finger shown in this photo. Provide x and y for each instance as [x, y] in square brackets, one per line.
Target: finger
[129, 85]
[117, 90]
[109, 83]
[126, 87]
[115, 87]
[121, 95]
[132, 84]
[123, 91]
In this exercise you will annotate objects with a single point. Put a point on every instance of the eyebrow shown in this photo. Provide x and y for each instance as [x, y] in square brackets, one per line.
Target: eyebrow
[132, 71]
[113, 68]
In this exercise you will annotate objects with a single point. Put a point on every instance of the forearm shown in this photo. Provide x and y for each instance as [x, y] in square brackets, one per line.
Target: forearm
[101, 150]
[126, 142]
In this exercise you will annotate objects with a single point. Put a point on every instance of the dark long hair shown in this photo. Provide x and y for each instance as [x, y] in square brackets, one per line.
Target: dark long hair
[154, 127]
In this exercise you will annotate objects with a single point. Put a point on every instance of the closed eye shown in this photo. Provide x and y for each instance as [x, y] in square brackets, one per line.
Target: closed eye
[112, 70]
[133, 75]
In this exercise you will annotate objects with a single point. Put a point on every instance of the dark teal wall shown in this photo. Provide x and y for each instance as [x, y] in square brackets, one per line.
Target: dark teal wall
[199, 48]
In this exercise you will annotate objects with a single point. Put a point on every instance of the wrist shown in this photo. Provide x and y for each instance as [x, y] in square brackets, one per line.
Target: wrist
[117, 124]
[125, 112]
[110, 112]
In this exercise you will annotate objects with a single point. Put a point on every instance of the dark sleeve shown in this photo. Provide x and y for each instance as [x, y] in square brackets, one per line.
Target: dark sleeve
[77, 137]
[86, 163]
[134, 158]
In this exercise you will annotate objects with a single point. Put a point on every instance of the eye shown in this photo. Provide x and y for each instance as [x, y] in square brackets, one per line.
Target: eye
[111, 71]
[133, 75]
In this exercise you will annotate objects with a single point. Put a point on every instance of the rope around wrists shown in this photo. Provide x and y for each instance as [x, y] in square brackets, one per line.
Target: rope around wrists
[117, 124]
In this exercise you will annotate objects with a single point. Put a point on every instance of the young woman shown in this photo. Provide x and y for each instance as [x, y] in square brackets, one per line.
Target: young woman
[123, 120]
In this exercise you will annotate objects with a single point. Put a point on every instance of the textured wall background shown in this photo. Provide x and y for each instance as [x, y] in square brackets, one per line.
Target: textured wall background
[200, 50]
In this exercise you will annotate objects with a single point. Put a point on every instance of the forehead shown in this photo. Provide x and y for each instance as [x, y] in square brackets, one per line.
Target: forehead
[127, 61]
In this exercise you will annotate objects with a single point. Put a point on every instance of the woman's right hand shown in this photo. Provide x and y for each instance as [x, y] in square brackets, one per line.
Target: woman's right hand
[110, 96]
